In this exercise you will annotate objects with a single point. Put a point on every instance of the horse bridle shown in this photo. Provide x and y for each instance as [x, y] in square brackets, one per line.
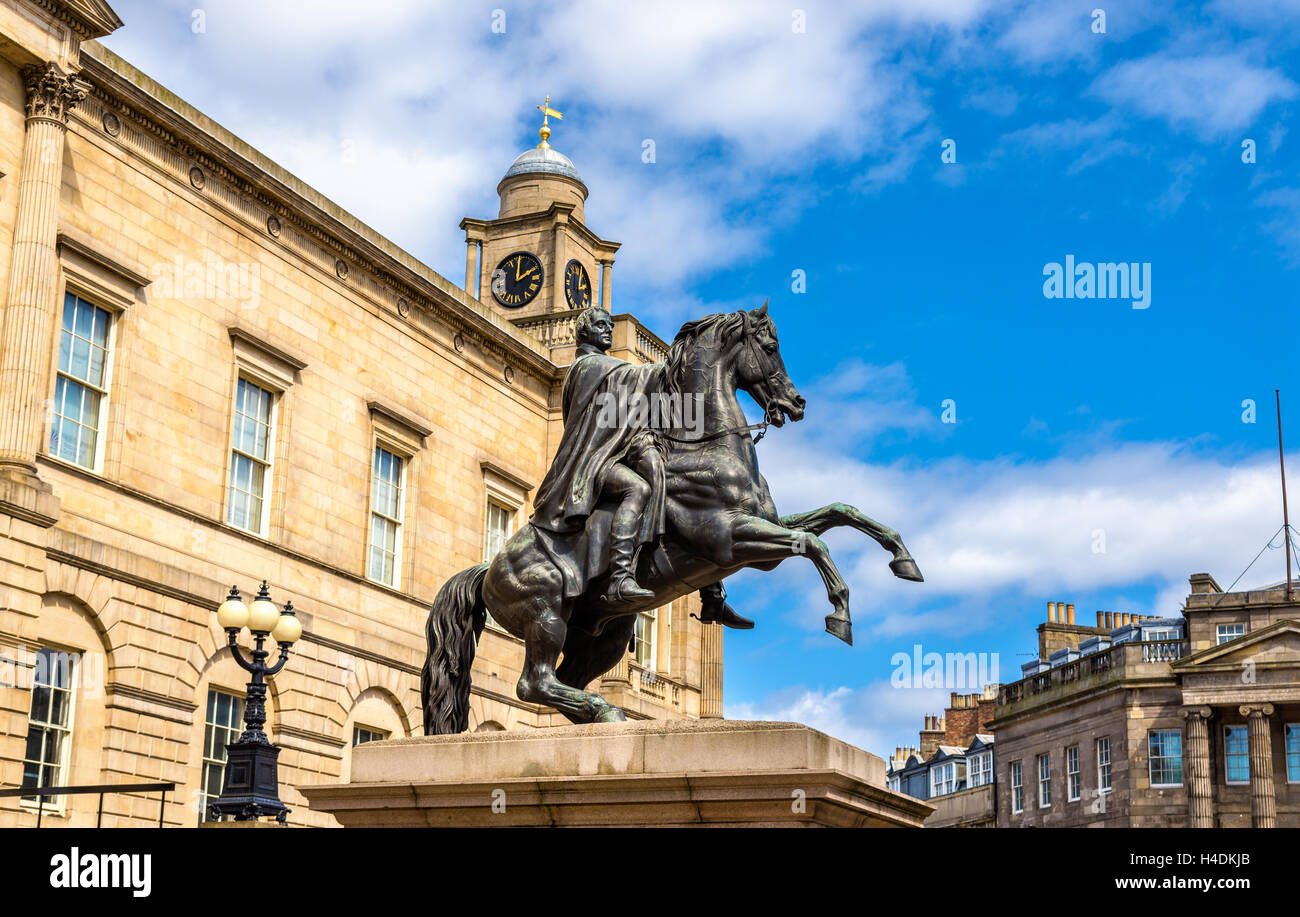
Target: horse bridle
[762, 363]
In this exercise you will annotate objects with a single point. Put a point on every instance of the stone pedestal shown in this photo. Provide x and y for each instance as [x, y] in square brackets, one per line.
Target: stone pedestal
[660, 773]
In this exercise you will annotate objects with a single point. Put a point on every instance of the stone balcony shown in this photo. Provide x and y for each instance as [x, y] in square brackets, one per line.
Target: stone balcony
[1124, 662]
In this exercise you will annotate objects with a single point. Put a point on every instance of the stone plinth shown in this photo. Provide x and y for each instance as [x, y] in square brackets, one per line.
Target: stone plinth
[659, 773]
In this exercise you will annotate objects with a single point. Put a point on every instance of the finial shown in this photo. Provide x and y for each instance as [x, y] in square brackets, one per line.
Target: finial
[545, 132]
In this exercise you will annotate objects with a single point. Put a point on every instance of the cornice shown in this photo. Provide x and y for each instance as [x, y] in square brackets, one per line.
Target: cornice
[273, 209]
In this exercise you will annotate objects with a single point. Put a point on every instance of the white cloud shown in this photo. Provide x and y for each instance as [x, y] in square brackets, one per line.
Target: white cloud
[1211, 95]
[1101, 516]
[876, 717]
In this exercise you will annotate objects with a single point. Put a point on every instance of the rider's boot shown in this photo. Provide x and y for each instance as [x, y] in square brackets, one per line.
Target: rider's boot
[623, 586]
[715, 610]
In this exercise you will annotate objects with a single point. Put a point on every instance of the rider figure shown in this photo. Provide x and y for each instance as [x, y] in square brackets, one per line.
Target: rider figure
[636, 478]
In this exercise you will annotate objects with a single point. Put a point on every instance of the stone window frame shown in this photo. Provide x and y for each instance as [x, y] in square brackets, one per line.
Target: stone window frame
[235, 729]
[979, 765]
[56, 805]
[110, 282]
[1108, 764]
[1016, 777]
[1244, 754]
[1288, 731]
[1073, 778]
[1044, 782]
[403, 435]
[1151, 760]
[507, 490]
[277, 371]
[1218, 632]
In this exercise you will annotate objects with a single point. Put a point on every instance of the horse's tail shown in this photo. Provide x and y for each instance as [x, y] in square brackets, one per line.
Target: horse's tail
[455, 622]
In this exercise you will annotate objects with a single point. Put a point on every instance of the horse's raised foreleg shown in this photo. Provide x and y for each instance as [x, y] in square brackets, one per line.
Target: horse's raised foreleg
[756, 540]
[834, 515]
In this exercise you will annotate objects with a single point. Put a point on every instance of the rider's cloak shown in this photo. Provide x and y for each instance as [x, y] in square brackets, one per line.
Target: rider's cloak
[598, 389]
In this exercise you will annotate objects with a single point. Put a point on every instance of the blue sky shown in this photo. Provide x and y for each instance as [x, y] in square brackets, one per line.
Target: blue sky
[819, 150]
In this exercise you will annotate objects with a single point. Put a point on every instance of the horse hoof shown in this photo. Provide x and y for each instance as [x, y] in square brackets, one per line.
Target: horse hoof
[906, 568]
[610, 714]
[839, 627]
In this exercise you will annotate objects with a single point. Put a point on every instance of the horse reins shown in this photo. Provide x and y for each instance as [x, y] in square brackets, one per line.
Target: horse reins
[763, 424]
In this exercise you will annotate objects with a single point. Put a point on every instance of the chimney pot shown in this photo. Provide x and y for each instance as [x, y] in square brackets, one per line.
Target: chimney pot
[1051, 612]
[1109, 622]
[952, 699]
[1069, 613]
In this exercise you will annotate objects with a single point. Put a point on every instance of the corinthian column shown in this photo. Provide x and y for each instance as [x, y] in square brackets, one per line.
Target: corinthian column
[30, 306]
[1200, 803]
[1263, 796]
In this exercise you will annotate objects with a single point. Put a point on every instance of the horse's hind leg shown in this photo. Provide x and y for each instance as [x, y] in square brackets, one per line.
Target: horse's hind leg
[538, 684]
[588, 657]
[834, 515]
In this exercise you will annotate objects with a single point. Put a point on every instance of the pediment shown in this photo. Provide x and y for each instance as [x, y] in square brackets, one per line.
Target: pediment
[95, 17]
[1277, 644]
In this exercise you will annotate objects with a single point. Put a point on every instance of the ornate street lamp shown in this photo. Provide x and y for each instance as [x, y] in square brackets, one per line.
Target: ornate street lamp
[251, 785]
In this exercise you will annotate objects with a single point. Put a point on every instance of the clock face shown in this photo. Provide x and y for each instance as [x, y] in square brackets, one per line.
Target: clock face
[577, 285]
[517, 280]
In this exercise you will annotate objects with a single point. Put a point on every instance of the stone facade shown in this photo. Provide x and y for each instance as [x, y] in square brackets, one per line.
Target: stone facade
[1217, 707]
[213, 265]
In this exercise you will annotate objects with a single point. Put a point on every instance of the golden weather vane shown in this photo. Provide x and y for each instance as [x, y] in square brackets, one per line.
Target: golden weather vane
[545, 132]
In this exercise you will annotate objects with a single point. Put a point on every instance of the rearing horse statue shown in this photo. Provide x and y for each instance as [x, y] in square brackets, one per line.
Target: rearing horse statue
[720, 519]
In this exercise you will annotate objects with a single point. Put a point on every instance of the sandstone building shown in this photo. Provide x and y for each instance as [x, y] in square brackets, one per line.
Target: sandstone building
[212, 375]
[1157, 722]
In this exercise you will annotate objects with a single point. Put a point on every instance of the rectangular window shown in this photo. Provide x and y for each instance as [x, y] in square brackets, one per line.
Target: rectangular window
[645, 638]
[49, 724]
[1017, 787]
[981, 770]
[386, 517]
[250, 460]
[1226, 632]
[222, 725]
[1236, 754]
[943, 779]
[1044, 781]
[1103, 764]
[1292, 733]
[363, 734]
[1165, 751]
[1073, 783]
[81, 383]
[497, 530]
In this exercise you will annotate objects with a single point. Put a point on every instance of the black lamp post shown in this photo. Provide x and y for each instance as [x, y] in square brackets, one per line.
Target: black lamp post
[251, 785]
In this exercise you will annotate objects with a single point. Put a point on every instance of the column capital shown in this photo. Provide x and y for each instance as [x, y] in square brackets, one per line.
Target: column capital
[1253, 710]
[1202, 713]
[51, 93]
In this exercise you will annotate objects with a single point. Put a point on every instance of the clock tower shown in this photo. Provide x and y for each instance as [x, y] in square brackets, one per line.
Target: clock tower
[538, 257]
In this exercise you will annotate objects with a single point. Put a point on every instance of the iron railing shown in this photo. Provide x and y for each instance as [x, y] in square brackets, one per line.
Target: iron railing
[41, 792]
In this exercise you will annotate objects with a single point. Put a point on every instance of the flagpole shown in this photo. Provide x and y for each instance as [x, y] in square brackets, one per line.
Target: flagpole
[1286, 521]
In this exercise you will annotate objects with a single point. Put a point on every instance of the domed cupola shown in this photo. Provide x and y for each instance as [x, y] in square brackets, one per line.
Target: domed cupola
[538, 255]
[541, 177]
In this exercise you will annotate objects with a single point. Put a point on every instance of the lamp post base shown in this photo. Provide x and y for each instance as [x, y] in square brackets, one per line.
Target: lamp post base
[250, 789]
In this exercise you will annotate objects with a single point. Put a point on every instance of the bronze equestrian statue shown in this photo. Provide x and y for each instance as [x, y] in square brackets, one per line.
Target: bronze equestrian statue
[639, 508]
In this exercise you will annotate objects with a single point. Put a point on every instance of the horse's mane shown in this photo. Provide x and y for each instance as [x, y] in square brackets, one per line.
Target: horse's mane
[725, 323]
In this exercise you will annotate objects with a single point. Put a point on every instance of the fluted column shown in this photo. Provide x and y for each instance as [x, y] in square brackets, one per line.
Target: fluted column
[33, 272]
[1263, 795]
[1200, 802]
[711, 676]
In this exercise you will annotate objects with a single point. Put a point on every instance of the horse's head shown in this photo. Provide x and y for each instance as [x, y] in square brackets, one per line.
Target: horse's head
[760, 371]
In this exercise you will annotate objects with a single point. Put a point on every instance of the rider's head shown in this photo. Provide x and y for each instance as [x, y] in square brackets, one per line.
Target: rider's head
[594, 326]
